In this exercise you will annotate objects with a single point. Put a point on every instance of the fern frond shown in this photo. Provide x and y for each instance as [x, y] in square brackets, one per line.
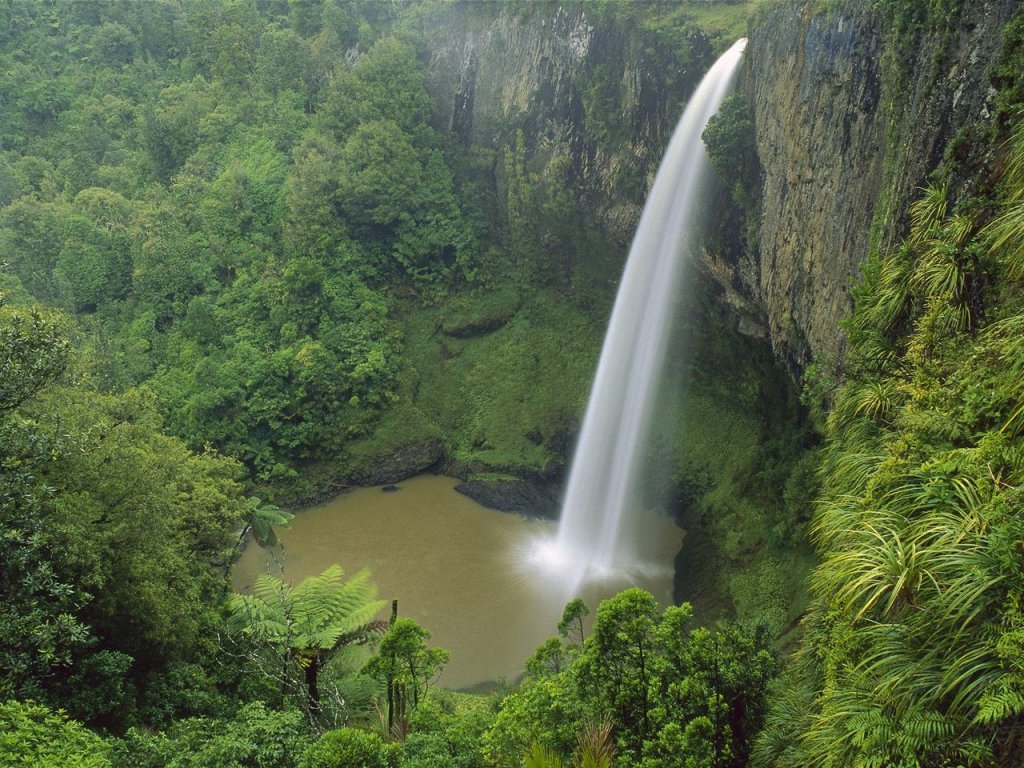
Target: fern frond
[1002, 701]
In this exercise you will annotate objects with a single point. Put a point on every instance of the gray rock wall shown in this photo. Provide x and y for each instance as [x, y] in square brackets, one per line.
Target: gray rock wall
[843, 144]
[497, 68]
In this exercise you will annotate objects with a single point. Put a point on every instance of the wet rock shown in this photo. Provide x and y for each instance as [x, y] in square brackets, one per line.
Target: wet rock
[400, 464]
[528, 496]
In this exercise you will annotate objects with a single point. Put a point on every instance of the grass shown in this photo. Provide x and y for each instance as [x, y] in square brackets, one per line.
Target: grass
[723, 22]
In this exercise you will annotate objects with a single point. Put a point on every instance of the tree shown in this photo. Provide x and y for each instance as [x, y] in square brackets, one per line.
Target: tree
[406, 666]
[33, 353]
[619, 664]
[386, 84]
[379, 175]
[40, 629]
[31, 237]
[305, 625]
[261, 518]
[572, 619]
[669, 694]
[105, 574]
[282, 61]
[141, 522]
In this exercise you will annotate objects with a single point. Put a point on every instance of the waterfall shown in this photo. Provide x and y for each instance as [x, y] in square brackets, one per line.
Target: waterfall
[599, 533]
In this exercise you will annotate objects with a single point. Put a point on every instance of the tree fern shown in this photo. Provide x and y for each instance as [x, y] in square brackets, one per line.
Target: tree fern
[305, 624]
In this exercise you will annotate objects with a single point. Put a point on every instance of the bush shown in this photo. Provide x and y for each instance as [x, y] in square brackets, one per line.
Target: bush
[31, 734]
[351, 748]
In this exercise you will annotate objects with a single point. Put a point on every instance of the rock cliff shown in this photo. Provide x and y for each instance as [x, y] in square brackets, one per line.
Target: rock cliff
[847, 129]
[591, 84]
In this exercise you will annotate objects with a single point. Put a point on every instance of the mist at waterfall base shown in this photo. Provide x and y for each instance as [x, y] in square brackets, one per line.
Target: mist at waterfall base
[605, 533]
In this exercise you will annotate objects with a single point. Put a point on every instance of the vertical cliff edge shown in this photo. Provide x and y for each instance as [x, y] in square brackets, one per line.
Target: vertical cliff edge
[850, 117]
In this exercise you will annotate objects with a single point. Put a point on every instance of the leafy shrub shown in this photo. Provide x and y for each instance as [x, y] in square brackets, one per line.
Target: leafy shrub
[352, 748]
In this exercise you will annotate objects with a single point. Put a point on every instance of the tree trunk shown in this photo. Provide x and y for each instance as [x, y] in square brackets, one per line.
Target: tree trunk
[312, 673]
[391, 705]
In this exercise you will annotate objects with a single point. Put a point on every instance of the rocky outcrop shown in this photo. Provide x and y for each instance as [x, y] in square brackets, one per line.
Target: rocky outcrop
[528, 496]
[400, 464]
[847, 130]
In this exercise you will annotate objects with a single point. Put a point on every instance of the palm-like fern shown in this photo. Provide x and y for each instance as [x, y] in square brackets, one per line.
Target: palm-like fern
[596, 746]
[262, 518]
[305, 624]
[927, 212]
[540, 756]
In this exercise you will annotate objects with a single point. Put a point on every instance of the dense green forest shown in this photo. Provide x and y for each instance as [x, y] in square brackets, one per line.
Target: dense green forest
[243, 258]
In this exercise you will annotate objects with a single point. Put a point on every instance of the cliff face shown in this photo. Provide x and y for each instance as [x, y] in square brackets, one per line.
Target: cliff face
[847, 130]
[844, 140]
[575, 82]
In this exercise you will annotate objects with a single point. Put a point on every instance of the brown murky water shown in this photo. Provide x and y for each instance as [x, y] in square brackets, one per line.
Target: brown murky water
[459, 569]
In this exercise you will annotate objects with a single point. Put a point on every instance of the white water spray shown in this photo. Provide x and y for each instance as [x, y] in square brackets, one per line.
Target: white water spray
[601, 526]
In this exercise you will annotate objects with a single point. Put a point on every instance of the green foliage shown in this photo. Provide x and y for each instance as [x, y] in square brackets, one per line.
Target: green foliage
[31, 235]
[39, 628]
[1005, 233]
[167, 516]
[31, 734]
[544, 216]
[182, 689]
[446, 729]
[197, 222]
[350, 747]
[34, 353]
[729, 138]
[648, 686]
[905, 654]
[572, 619]
[261, 519]
[540, 756]
[406, 667]
[615, 669]
[386, 84]
[474, 315]
[745, 474]
[89, 552]
[507, 398]
[266, 248]
[544, 710]
[306, 624]
[256, 737]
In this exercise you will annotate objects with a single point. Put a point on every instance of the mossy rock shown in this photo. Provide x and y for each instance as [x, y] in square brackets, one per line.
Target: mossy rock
[475, 316]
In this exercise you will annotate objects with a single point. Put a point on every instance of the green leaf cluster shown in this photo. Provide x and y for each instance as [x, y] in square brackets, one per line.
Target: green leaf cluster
[663, 690]
[32, 734]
